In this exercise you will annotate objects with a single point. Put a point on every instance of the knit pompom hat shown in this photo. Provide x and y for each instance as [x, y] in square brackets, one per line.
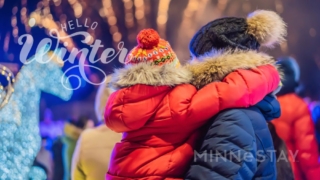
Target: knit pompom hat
[260, 28]
[152, 49]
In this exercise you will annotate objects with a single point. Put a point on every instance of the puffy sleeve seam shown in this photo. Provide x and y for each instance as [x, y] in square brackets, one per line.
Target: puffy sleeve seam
[247, 86]
[219, 96]
[122, 108]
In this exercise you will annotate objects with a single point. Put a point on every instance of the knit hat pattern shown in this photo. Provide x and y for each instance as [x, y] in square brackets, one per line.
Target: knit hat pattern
[152, 49]
[260, 28]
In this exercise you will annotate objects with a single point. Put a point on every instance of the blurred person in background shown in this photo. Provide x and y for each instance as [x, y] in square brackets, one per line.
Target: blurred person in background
[92, 154]
[72, 131]
[284, 169]
[57, 151]
[295, 125]
[44, 158]
[315, 109]
[49, 127]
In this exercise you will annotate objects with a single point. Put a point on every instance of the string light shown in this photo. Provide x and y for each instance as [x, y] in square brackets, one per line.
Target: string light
[101, 13]
[201, 9]
[279, 6]
[222, 4]
[112, 21]
[313, 32]
[189, 12]
[23, 12]
[140, 14]
[15, 32]
[117, 36]
[39, 5]
[129, 21]
[92, 34]
[14, 10]
[246, 7]
[72, 2]
[194, 12]
[57, 2]
[163, 17]
[23, 3]
[45, 3]
[19, 128]
[77, 8]
[284, 47]
[14, 23]
[50, 24]
[6, 42]
[1, 3]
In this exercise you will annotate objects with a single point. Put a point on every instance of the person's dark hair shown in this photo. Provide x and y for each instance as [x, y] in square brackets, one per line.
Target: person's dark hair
[291, 74]
[81, 122]
[44, 137]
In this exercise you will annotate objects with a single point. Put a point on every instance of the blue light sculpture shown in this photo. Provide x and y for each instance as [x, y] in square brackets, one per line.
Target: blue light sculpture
[20, 139]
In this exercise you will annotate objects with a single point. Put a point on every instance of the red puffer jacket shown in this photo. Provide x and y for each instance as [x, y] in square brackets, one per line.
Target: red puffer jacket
[160, 114]
[296, 128]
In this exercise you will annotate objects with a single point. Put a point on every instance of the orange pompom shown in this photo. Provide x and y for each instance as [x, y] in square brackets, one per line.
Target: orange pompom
[148, 38]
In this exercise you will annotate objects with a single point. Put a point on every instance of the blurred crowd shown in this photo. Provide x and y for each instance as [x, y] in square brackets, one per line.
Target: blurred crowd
[59, 138]
[315, 110]
[67, 143]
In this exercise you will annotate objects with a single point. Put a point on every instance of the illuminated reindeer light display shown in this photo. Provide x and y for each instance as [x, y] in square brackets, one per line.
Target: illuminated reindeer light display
[20, 139]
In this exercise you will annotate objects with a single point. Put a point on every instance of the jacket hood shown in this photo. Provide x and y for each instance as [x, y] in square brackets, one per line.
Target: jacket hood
[216, 65]
[148, 74]
[291, 74]
[269, 107]
[72, 131]
[209, 68]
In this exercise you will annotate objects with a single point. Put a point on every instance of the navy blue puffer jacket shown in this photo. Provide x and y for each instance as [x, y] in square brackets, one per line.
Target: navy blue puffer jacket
[238, 145]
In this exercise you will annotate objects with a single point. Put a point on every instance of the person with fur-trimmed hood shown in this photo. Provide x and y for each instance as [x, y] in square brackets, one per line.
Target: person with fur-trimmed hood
[237, 143]
[160, 113]
[295, 126]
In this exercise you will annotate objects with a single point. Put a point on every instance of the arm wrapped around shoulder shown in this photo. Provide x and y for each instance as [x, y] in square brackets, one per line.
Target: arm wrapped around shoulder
[241, 88]
[129, 109]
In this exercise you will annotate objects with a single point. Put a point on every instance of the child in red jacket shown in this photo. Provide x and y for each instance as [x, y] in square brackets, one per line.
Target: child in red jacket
[160, 113]
[295, 126]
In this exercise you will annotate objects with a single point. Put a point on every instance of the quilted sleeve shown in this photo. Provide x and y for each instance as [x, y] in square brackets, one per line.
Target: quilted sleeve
[242, 88]
[130, 108]
[228, 150]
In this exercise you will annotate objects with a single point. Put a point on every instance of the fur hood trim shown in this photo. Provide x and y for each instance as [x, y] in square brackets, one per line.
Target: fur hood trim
[148, 74]
[211, 67]
[216, 65]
